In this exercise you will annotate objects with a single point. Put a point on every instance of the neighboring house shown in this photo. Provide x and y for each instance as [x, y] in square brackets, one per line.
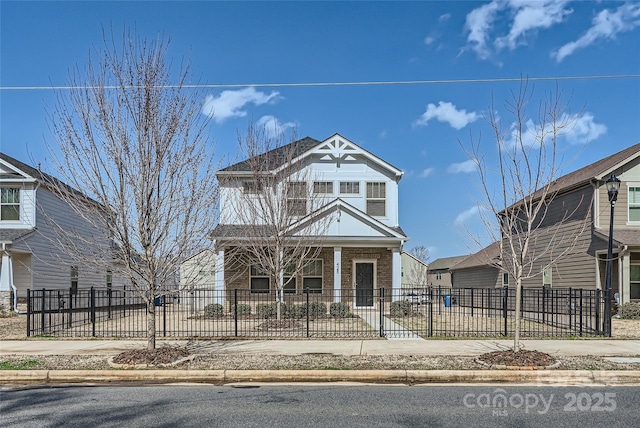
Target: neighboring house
[31, 253]
[414, 271]
[478, 270]
[439, 274]
[361, 249]
[198, 279]
[583, 195]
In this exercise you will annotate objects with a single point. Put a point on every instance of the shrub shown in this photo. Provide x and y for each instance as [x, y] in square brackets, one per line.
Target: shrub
[629, 311]
[214, 310]
[401, 309]
[339, 310]
[297, 311]
[242, 308]
[317, 309]
[270, 310]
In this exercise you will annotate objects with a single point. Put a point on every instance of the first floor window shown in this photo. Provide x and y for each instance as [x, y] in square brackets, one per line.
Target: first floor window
[9, 203]
[376, 199]
[546, 277]
[289, 280]
[634, 278]
[312, 276]
[259, 280]
[74, 279]
[438, 275]
[109, 279]
[505, 278]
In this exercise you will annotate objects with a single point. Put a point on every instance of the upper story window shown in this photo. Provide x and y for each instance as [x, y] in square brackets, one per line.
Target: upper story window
[376, 199]
[297, 198]
[323, 187]
[9, 203]
[252, 187]
[350, 187]
[634, 204]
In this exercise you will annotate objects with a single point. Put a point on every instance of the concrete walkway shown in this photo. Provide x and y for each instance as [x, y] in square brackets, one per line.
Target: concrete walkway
[596, 347]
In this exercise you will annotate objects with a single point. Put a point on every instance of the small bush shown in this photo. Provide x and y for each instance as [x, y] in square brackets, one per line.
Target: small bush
[242, 309]
[270, 310]
[317, 309]
[214, 310]
[629, 311]
[401, 309]
[297, 311]
[339, 310]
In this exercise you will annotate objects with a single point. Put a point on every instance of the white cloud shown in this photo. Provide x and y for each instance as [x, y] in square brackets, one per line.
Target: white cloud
[273, 127]
[580, 129]
[532, 15]
[525, 16]
[447, 112]
[444, 17]
[467, 214]
[465, 167]
[606, 25]
[429, 39]
[230, 103]
[427, 172]
[479, 23]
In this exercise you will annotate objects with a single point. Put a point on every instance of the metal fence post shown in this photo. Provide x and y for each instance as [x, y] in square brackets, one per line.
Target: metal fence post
[381, 312]
[42, 317]
[93, 312]
[29, 312]
[598, 303]
[306, 290]
[69, 318]
[580, 312]
[505, 310]
[235, 310]
[570, 302]
[164, 314]
[472, 301]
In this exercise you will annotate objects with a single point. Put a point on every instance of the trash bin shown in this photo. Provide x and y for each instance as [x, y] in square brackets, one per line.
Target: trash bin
[158, 301]
[447, 301]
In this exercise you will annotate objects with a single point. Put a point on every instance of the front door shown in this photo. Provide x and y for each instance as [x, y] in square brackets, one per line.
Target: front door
[364, 284]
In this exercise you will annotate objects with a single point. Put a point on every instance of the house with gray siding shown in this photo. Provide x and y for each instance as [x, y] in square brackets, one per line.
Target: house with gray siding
[362, 245]
[31, 217]
[577, 220]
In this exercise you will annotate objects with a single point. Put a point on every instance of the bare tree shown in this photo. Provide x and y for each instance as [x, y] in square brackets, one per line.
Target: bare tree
[276, 208]
[131, 140]
[531, 240]
[417, 273]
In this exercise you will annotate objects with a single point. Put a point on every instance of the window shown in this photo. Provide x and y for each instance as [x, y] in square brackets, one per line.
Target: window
[259, 280]
[251, 187]
[634, 204]
[505, 278]
[289, 280]
[9, 203]
[297, 198]
[350, 187]
[323, 187]
[634, 280]
[312, 276]
[438, 275]
[546, 277]
[109, 279]
[376, 196]
[74, 279]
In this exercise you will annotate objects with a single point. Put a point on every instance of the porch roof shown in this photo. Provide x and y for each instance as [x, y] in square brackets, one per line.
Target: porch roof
[630, 237]
[10, 235]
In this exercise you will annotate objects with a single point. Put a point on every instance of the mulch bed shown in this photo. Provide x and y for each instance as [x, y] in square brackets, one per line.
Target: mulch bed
[282, 324]
[522, 358]
[164, 355]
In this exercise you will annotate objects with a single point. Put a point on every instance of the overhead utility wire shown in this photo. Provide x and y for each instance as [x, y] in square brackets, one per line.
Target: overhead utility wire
[312, 84]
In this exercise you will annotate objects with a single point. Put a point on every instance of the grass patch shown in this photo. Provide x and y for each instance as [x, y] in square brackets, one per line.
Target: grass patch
[18, 365]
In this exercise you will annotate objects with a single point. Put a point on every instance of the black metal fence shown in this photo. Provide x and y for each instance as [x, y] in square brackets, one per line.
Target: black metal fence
[405, 313]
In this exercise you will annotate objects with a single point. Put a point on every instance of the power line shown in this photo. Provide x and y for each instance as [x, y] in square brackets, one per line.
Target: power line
[319, 84]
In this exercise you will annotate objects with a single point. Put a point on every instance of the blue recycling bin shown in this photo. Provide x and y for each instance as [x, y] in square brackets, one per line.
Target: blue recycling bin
[158, 301]
[447, 301]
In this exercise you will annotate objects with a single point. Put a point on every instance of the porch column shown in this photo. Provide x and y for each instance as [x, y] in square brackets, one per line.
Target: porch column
[624, 285]
[6, 279]
[219, 277]
[337, 274]
[396, 274]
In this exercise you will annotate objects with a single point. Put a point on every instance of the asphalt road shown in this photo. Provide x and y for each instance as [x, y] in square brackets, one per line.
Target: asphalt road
[319, 405]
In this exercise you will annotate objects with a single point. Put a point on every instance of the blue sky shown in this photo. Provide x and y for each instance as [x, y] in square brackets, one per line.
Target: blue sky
[416, 127]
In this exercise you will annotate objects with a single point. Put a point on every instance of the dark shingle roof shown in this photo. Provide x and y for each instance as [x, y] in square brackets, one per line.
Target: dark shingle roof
[276, 157]
[485, 257]
[446, 262]
[10, 235]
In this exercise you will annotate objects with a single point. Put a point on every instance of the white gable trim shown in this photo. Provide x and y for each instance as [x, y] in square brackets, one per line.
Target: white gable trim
[605, 175]
[339, 205]
[26, 178]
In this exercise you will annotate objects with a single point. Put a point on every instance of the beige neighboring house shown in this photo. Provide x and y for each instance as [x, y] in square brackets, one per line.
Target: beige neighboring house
[31, 254]
[362, 246]
[439, 274]
[198, 279]
[583, 194]
[414, 271]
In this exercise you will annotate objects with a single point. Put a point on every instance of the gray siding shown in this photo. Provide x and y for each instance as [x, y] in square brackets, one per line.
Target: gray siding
[478, 277]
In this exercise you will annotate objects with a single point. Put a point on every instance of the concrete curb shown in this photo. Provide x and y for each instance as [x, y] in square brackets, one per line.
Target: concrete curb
[410, 377]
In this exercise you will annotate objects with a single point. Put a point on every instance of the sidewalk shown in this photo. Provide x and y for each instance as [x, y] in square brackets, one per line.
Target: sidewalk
[601, 348]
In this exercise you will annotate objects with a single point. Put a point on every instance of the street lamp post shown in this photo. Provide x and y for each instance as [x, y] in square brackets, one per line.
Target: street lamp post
[613, 185]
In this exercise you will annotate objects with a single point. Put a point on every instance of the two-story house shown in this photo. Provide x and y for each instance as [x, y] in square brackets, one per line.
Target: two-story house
[362, 243]
[30, 214]
[581, 206]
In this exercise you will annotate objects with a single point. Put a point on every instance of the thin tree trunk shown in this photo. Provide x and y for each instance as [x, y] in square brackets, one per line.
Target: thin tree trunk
[151, 325]
[516, 336]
